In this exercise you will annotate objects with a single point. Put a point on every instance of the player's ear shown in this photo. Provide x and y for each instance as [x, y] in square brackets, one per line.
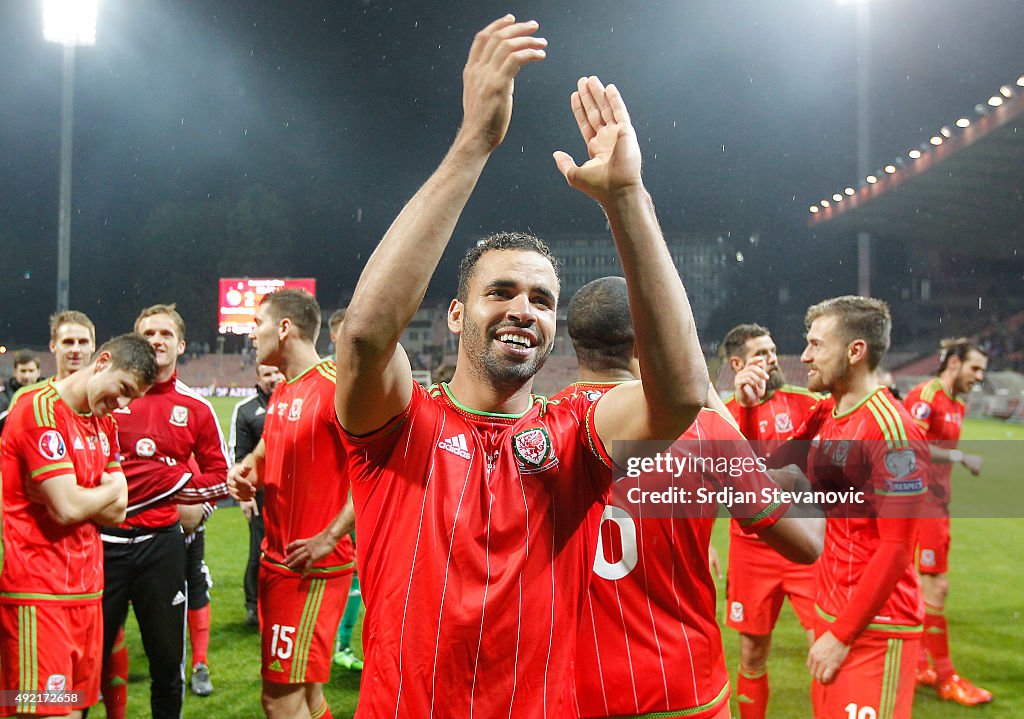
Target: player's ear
[102, 361]
[736, 363]
[284, 328]
[857, 351]
[455, 310]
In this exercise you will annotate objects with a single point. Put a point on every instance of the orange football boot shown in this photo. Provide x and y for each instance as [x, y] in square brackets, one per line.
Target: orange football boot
[927, 677]
[959, 690]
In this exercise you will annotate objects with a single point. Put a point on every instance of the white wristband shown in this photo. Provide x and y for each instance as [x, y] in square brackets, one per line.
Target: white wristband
[955, 456]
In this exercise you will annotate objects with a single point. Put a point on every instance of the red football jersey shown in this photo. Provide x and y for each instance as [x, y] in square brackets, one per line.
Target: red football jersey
[305, 479]
[649, 641]
[942, 418]
[45, 438]
[766, 426]
[874, 447]
[477, 535]
[160, 433]
[775, 419]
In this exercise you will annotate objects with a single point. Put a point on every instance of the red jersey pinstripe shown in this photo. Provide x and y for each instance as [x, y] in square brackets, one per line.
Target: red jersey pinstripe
[477, 534]
[649, 641]
[306, 483]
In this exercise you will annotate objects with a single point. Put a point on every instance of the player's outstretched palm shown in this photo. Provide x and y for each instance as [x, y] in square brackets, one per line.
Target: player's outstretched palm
[614, 164]
[498, 52]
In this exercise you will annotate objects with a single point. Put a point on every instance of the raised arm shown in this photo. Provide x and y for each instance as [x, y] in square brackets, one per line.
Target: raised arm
[374, 379]
[675, 378]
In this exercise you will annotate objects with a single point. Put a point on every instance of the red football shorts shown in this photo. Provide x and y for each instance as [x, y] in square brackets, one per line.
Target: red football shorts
[298, 620]
[759, 579]
[933, 545]
[54, 649]
[875, 682]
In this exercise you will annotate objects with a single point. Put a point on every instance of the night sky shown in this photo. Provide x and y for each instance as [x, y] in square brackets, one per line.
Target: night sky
[339, 110]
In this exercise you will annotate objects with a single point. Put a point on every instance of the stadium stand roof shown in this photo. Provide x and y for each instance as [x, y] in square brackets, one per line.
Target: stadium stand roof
[964, 186]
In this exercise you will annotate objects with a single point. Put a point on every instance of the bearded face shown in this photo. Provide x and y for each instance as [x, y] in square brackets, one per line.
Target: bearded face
[506, 325]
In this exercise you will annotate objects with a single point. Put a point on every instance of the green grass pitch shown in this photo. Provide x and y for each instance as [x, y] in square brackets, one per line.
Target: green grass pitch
[985, 610]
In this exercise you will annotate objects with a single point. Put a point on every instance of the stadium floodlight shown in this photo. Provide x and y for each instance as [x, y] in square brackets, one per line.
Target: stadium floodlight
[963, 122]
[814, 209]
[936, 140]
[849, 191]
[890, 169]
[837, 197]
[1020, 81]
[872, 179]
[946, 131]
[826, 203]
[1006, 91]
[914, 154]
[995, 101]
[70, 22]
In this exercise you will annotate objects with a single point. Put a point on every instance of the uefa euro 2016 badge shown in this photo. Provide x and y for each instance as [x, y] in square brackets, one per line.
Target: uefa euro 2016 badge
[179, 416]
[51, 445]
[533, 450]
[921, 410]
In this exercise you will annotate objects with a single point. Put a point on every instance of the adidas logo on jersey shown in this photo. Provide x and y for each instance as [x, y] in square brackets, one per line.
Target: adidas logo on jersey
[275, 666]
[456, 445]
[178, 599]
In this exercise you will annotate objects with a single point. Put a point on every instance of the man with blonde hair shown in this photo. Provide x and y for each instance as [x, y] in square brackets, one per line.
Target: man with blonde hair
[145, 556]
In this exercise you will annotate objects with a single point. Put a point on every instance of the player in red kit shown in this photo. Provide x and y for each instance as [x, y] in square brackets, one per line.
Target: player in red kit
[307, 556]
[768, 411]
[938, 407]
[649, 642]
[478, 504]
[864, 443]
[61, 473]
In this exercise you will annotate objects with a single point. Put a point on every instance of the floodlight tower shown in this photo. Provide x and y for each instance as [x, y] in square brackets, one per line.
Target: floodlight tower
[863, 132]
[69, 23]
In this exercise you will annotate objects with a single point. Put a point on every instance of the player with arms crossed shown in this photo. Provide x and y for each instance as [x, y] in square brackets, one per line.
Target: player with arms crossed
[649, 641]
[938, 407]
[867, 595]
[61, 473]
[768, 411]
[477, 503]
[300, 464]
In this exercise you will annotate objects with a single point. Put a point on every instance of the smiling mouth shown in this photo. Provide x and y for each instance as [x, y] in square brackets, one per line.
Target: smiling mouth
[516, 341]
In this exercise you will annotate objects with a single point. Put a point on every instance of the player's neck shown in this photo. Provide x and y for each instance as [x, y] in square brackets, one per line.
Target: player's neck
[604, 376]
[948, 382]
[485, 397]
[164, 374]
[298, 358]
[73, 389]
[857, 388]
